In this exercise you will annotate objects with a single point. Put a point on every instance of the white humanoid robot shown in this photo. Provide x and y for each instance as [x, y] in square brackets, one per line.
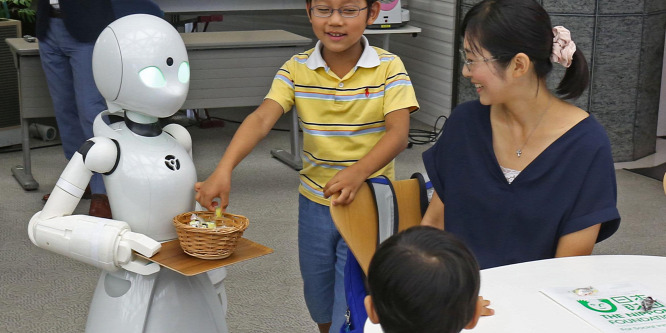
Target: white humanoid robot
[141, 68]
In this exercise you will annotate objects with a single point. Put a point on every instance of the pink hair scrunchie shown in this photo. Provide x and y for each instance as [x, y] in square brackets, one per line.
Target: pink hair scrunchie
[563, 47]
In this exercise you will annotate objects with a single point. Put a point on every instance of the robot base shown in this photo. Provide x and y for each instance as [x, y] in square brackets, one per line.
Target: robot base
[163, 302]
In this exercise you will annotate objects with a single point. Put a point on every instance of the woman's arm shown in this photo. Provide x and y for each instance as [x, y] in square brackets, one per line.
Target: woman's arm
[434, 215]
[579, 243]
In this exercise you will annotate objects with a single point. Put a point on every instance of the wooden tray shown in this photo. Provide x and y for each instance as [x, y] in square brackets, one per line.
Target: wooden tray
[172, 257]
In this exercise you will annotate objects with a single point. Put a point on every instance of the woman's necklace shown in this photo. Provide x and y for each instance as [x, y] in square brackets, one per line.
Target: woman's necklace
[519, 151]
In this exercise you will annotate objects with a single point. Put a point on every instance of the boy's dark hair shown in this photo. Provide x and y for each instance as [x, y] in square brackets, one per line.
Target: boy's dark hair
[508, 27]
[424, 280]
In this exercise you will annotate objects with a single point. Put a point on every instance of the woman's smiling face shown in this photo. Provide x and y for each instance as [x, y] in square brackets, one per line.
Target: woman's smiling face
[486, 77]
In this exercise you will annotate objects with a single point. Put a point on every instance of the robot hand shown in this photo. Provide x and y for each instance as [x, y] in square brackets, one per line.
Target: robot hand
[104, 243]
[142, 244]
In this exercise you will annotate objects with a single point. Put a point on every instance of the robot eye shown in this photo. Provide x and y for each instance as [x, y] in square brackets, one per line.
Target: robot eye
[152, 77]
[169, 61]
[184, 72]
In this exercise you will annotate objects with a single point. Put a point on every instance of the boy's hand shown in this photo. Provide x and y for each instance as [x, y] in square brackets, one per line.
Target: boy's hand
[347, 182]
[216, 186]
[485, 310]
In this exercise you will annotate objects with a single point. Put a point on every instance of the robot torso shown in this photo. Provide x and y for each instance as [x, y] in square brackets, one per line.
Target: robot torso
[153, 182]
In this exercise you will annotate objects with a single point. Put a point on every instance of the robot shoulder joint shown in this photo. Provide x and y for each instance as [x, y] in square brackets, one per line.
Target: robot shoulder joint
[100, 154]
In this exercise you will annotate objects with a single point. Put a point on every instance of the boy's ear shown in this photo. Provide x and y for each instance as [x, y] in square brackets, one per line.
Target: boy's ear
[308, 5]
[477, 314]
[373, 12]
[370, 309]
[520, 65]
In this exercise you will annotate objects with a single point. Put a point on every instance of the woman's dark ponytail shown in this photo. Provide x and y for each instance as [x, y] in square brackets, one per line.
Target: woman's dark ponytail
[576, 78]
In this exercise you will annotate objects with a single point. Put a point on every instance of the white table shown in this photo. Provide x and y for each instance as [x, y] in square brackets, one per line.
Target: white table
[519, 306]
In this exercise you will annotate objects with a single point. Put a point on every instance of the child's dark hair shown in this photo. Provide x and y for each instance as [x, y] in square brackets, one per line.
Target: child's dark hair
[508, 27]
[424, 280]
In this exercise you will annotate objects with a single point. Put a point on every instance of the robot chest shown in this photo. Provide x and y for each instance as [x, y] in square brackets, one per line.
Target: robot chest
[154, 168]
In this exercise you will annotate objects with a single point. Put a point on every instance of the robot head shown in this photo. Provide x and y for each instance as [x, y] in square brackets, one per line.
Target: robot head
[140, 64]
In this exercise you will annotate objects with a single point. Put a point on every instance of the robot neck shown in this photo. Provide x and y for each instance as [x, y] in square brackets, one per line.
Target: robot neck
[142, 124]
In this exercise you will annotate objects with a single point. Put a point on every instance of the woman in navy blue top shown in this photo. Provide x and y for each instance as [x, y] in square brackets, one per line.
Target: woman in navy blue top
[520, 174]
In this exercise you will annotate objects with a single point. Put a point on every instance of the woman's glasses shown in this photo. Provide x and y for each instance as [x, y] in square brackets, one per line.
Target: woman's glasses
[468, 63]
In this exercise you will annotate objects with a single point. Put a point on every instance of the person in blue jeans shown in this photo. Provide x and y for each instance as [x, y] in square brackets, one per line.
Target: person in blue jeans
[67, 31]
[353, 102]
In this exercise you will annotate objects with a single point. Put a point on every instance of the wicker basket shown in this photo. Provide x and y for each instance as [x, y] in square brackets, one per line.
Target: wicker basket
[203, 243]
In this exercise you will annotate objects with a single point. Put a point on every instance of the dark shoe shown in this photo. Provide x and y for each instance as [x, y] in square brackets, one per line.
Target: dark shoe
[86, 195]
[99, 206]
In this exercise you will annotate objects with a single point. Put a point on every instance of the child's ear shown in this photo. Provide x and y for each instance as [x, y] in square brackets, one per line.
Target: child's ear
[308, 5]
[373, 12]
[370, 309]
[477, 313]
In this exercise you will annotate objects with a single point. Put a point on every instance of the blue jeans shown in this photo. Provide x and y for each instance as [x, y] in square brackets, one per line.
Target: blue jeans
[67, 64]
[322, 255]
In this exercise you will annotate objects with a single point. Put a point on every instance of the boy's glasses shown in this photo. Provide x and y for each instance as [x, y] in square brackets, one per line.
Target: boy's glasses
[468, 63]
[346, 11]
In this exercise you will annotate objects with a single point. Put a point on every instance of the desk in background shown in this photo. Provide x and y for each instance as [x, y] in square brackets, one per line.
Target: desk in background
[228, 69]
[218, 6]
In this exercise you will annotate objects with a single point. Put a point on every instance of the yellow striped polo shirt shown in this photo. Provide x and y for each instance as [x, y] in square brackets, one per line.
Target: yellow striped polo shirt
[341, 118]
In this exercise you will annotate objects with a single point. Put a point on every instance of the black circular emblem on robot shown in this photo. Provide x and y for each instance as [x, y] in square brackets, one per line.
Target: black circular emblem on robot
[169, 61]
[172, 162]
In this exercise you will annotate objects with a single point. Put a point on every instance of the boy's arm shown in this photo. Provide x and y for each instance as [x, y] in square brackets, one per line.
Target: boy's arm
[349, 180]
[254, 128]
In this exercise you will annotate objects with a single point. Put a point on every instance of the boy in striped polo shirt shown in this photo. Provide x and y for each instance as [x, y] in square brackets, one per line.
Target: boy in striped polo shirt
[353, 101]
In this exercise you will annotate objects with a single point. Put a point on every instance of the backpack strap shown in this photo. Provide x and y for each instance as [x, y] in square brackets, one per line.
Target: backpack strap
[387, 207]
[425, 190]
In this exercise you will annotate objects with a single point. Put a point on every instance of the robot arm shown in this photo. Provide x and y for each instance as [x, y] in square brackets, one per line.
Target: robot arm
[103, 243]
[98, 154]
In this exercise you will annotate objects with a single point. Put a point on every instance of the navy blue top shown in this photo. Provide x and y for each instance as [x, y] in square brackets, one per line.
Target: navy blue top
[570, 186]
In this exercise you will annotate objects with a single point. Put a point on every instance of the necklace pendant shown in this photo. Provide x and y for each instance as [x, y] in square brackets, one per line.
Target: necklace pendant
[519, 152]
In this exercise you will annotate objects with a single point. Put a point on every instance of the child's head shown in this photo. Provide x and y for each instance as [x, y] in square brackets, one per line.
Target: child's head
[423, 280]
[339, 24]
[506, 28]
